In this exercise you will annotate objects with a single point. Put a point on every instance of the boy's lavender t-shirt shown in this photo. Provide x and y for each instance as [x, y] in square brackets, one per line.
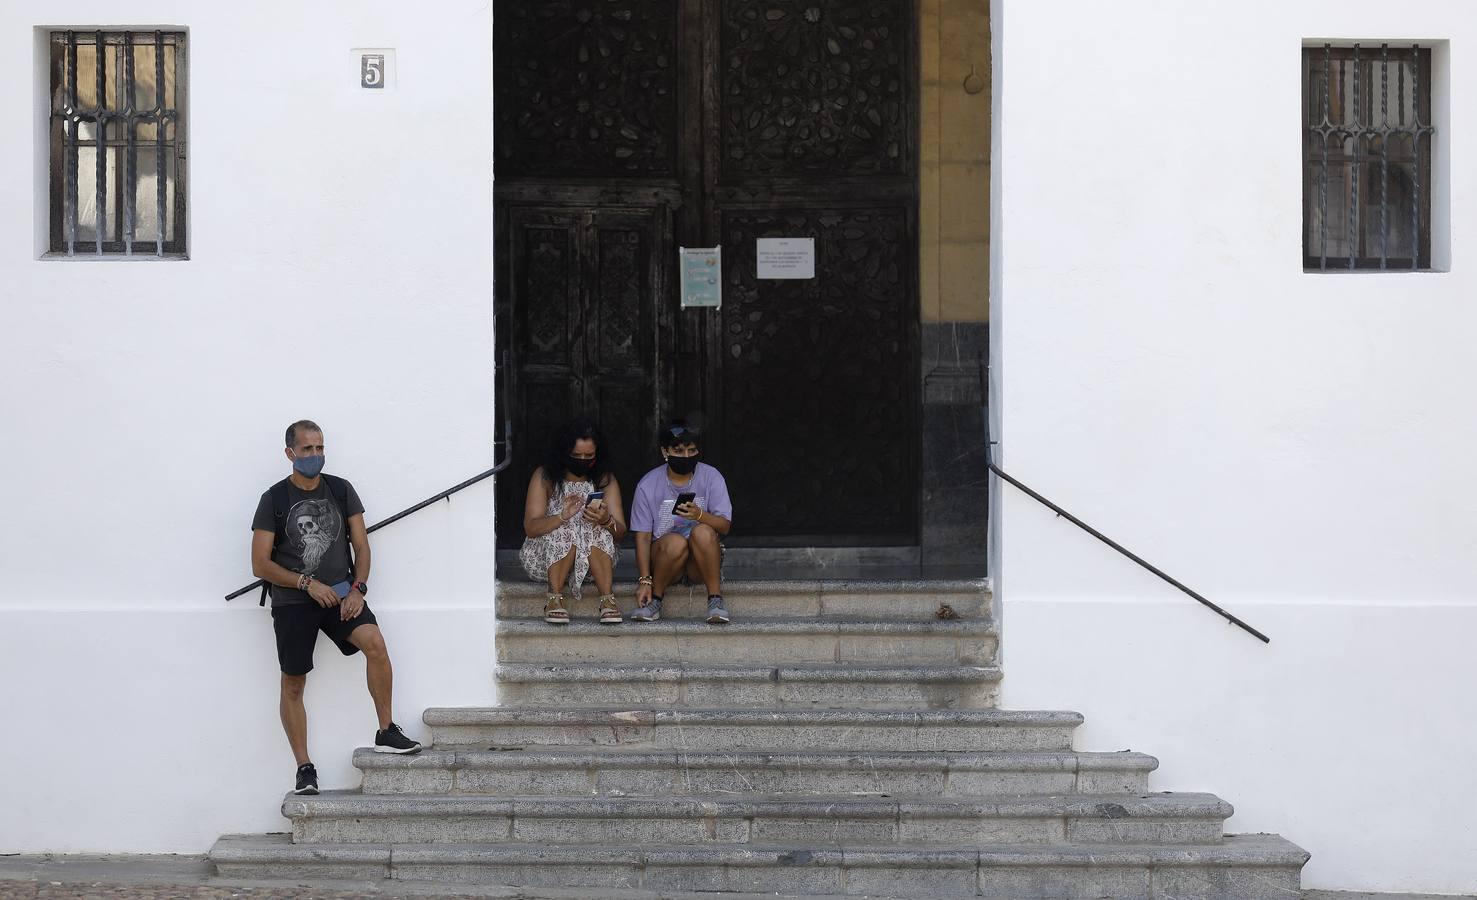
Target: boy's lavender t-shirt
[656, 495]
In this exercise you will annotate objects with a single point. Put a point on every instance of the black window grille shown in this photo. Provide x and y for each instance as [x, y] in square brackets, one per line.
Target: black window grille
[1367, 133]
[117, 143]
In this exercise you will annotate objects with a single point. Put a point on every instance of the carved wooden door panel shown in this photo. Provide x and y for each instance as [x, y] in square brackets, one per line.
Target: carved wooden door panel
[581, 322]
[586, 89]
[588, 185]
[624, 274]
[818, 375]
[539, 297]
[818, 388]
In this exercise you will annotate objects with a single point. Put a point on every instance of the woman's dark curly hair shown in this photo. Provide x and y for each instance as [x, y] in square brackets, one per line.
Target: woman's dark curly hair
[556, 464]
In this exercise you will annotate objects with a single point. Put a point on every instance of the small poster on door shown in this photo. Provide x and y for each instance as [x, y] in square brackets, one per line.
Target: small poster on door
[785, 257]
[701, 277]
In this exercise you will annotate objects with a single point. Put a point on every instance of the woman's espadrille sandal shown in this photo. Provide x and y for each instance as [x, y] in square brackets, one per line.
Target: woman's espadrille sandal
[555, 612]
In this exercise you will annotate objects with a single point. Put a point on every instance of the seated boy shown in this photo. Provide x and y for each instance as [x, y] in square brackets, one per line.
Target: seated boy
[672, 537]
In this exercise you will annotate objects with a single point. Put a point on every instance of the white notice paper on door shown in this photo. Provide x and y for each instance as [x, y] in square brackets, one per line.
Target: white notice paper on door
[785, 257]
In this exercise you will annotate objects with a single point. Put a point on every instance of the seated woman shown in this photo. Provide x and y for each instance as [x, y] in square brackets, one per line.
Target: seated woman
[573, 521]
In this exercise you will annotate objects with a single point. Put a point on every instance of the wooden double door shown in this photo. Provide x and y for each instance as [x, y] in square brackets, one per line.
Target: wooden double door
[628, 128]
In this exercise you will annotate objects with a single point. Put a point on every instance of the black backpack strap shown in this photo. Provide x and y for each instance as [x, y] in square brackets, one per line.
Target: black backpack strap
[280, 506]
[339, 488]
[280, 503]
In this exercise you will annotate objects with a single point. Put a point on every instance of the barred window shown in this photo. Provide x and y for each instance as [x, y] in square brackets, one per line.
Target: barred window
[117, 166]
[1367, 134]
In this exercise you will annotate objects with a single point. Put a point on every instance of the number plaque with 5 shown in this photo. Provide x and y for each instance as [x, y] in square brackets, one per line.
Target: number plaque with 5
[376, 68]
[372, 70]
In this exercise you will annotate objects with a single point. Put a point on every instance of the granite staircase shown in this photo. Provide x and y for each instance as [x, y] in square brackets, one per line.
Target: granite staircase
[838, 738]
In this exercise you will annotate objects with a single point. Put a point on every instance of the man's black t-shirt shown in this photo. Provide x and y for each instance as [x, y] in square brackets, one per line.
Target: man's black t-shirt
[316, 539]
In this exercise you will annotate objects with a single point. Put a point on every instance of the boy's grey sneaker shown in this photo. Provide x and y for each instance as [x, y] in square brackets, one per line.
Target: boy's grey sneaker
[648, 613]
[393, 740]
[717, 612]
[307, 779]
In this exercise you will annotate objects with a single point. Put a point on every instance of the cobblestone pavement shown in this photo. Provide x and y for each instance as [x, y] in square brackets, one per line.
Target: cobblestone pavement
[191, 878]
[47, 890]
[144, 891]
[116, 891]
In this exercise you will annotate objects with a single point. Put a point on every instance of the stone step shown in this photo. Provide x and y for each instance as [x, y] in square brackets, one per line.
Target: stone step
[1248, 867]
[772, 641]
[617, 772]
[736, 729]
[876, 599]
[794, 686]
[748, 558]
[354, 817]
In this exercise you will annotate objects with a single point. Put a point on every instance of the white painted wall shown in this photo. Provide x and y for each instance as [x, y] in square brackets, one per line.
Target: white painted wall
[1291, 444]
[1295, 446]
[341, 269]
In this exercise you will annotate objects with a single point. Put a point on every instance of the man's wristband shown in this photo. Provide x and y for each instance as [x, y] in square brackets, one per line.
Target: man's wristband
[643, 579]
[303, 581]
[362, 587]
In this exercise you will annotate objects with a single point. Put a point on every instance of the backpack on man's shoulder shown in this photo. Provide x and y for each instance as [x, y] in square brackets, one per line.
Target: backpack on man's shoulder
[338, 488]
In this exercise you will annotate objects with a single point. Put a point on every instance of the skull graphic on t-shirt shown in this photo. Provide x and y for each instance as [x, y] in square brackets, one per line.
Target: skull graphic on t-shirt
[312, 527]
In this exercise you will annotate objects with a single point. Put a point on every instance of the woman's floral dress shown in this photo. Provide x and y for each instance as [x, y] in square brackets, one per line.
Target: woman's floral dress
[539, 553]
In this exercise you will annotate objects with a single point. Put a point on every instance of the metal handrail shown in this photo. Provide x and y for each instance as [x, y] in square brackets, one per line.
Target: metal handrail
[990, 463]
[507, 443]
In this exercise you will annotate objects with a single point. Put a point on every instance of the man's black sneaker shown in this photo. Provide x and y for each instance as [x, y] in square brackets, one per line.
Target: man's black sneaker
[307, 779]
[393, 740]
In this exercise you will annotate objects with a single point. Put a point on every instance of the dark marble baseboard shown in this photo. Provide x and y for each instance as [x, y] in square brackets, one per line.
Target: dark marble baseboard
[954, 477]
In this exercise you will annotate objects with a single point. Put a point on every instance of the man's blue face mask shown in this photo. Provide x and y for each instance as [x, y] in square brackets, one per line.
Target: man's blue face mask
[308, 466]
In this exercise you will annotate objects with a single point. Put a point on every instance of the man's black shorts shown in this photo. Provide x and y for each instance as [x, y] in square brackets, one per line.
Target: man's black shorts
[297, 628]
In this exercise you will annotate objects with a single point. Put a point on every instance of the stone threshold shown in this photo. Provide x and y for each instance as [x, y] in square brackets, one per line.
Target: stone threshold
[799, 564]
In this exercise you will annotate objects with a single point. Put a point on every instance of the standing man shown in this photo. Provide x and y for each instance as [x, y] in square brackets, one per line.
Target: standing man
[300, 541]
[672, 538]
